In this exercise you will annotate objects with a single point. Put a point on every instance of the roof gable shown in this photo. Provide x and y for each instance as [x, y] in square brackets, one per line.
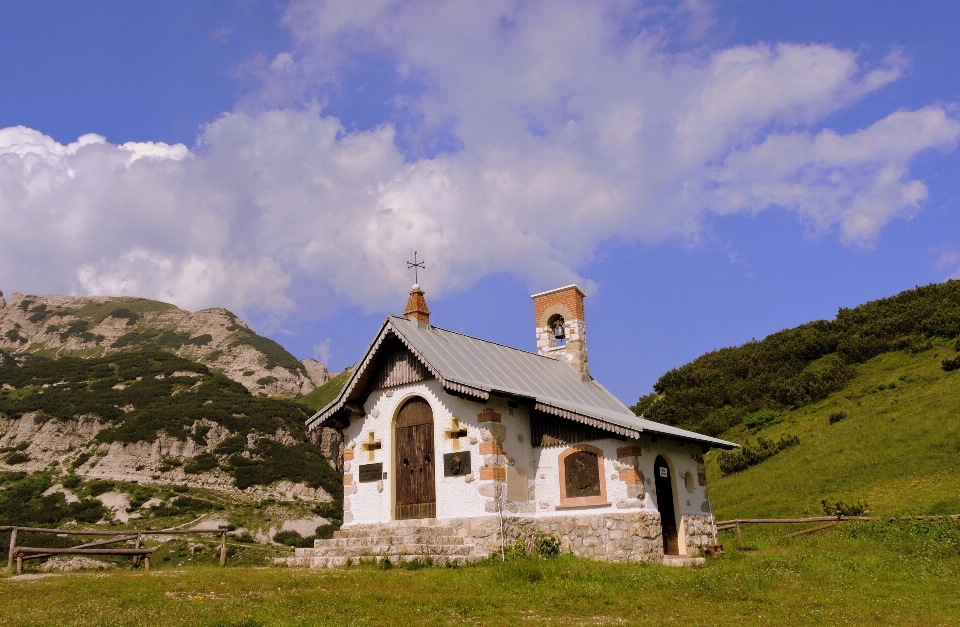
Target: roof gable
[471, 367]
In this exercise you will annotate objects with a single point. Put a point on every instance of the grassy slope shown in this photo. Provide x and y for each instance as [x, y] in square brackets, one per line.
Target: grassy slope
[898, 449]
[326, 392]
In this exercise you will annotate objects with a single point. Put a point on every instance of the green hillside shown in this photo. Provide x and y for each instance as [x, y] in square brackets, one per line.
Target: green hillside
[322, 396]
[890, 437]
[799, 366]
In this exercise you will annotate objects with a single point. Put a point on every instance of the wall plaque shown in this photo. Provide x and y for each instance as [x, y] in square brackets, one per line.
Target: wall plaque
[371, 472]
[582, 474]
[456, 464]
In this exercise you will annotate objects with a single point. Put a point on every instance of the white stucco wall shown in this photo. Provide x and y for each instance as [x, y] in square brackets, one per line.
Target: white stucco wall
[467, 497]
[456, 496]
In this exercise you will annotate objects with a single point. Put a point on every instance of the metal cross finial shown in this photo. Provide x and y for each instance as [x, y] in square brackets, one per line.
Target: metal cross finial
[416, 265]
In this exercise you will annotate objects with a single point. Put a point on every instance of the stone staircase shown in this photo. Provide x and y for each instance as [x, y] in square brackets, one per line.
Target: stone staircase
[399, 541]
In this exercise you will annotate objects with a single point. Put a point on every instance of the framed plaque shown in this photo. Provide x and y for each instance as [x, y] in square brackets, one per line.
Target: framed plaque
[456, 464]
[371, 472]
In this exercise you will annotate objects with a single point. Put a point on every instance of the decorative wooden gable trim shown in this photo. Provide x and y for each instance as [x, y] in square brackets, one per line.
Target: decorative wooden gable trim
[547, 430]
[399, 367]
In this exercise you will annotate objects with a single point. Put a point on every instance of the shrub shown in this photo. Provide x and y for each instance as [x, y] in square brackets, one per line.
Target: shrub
[81, 459]
[17, 457]
[517, 550]
[840, 508]
[760, 419]
[70, 482]
[99, 486]
[546, 545]
[125, 314]
[200, 340]
[951, 364]
[292, 538]
[201, 463]
[181, 489]
[837, 417]
[267, 380]
[751, 454]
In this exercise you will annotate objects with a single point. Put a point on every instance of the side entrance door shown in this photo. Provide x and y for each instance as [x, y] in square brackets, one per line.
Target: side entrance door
[668, 513]
[415, 470]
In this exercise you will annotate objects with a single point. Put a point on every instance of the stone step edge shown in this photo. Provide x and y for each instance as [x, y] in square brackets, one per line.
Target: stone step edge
[350, 543]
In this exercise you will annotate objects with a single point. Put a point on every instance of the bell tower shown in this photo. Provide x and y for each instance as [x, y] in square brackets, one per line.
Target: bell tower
[561, 331]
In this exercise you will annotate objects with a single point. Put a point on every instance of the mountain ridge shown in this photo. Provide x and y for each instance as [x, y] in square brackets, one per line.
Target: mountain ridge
[95, 326]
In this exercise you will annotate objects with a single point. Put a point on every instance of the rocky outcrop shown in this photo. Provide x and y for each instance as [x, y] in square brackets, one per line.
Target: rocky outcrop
[316, 371]
[72, 445]
[94, 326]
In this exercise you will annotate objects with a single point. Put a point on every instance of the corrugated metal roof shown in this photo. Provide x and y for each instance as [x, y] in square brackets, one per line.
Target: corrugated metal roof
[478, 367]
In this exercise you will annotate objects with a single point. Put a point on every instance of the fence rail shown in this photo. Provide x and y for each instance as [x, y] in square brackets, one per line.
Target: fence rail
[18, 554]
[725, 525]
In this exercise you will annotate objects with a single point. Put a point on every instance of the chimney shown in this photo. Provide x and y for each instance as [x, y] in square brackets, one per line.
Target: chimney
[561, 332]
[417, 306]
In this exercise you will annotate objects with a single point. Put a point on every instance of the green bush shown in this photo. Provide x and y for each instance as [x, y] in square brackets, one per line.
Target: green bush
[70, 482]
[841, 508]
[17, 457]
[837, 417]
[546, 545]
[201, 463]
[125, 314]
[200, 340]
[100, 486]
[951, 364]
[751, 454]
[292, 538]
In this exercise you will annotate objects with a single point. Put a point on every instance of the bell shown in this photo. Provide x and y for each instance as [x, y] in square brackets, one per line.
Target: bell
[558, 330]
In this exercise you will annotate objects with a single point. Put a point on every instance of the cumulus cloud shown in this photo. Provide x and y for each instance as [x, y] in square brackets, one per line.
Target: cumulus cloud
[572, 123]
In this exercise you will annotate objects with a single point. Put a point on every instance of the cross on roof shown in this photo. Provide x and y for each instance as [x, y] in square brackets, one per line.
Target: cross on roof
[415, 265]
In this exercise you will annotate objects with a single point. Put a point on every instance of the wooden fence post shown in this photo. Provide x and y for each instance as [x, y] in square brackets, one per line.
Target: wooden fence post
[136, 558]
[19, 564]
[738, 530]
[223, 548]
[13, 547]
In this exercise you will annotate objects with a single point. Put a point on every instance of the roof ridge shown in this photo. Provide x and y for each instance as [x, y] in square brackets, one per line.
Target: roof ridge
[480, 339]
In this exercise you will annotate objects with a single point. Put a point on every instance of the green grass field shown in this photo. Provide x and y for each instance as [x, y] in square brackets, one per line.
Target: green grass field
[857, 574]
[898, 448]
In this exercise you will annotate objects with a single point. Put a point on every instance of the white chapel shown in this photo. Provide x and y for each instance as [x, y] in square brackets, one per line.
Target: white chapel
[454, 446]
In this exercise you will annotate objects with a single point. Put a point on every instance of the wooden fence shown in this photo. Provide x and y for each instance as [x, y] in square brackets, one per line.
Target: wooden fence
[18, 554]
[725, 525]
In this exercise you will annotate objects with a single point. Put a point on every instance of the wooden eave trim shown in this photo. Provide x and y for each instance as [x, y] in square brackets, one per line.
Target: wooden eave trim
[587, 420]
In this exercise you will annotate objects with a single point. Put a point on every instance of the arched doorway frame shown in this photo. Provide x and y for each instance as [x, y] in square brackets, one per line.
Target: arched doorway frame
[395, 458]
[675, 495]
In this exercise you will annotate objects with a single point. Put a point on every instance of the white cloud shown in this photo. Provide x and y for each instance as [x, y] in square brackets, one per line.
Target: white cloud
[569, 133]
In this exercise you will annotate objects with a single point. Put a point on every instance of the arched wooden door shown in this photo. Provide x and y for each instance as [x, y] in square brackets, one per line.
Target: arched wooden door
[416, 490]
[668, 513]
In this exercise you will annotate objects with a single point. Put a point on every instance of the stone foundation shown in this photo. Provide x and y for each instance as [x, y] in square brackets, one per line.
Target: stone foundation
[611, 537]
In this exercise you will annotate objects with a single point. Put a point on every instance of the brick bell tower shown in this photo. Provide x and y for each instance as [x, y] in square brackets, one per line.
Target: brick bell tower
[561, 331]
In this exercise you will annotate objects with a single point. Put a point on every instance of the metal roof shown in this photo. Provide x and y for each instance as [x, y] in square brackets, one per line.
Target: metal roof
[474, 367]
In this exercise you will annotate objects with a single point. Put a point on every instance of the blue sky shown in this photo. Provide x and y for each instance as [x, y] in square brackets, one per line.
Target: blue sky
[708, 172]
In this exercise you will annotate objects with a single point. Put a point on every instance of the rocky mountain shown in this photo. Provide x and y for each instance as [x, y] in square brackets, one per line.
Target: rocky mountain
[125, 429]
[95, 326]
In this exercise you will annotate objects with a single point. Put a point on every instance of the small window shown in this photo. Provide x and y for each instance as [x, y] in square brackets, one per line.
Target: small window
[582, 480]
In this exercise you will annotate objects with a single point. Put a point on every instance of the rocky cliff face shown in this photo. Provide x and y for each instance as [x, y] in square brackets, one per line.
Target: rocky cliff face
[72, 446]
[94, 326]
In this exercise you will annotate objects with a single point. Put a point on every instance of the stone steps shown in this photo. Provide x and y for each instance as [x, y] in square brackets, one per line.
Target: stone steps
[439, 544]
[396, 549]
[389, 541]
